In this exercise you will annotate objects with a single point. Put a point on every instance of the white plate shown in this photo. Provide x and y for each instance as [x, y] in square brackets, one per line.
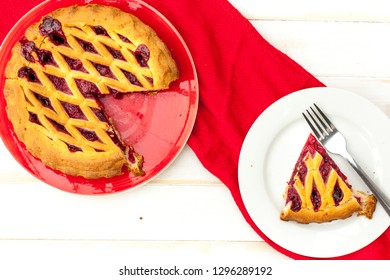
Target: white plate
[271, 149]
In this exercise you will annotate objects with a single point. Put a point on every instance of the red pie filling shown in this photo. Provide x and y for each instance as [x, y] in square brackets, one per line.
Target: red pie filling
[142, 55]
[293, 196]
[58, 126]
[60, 84]
[90, 135]
[87, 46]
[75, 64]
[124, 39]
[132, 78]
[87, 89]
[104, 70]
[34, 118]
[29, 74]
[100, 115]
[52, 28]
[44, 100]
[45, 57]
[116, 93]
[73, 148]
[99, 30]
[28, 49]
[117, 54]
[337, 194]
[73, 111]
[302, 172]
[315, 198]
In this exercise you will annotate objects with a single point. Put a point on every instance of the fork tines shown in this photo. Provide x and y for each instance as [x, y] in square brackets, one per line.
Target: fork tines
[319, 122]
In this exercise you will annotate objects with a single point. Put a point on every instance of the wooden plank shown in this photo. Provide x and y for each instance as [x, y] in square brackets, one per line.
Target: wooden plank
[333, 49]
[83, 259]
[152, 212]
[376, 91]
[320, 10]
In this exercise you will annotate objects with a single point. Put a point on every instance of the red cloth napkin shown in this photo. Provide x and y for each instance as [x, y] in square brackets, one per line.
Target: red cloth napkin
[240, 75]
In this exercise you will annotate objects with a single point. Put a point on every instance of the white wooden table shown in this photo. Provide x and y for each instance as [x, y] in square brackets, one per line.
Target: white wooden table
[186, 213]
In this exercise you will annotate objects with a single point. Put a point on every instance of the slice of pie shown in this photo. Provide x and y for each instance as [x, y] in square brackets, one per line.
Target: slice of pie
[57, 74]
[319, 192]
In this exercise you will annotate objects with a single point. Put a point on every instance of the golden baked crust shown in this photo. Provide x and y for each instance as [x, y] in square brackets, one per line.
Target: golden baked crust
[319, 192]
[53, 86]
[367, 202]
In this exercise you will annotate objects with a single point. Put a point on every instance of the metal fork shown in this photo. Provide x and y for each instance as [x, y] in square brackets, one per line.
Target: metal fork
[335, 143]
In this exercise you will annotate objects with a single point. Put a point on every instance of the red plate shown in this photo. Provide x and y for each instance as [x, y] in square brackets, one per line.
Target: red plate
[158, 126]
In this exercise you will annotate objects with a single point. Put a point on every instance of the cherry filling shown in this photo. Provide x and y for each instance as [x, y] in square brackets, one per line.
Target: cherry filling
[88, 89]
[115, 138]
[73, 111]
[302, 172]
[100, 115]
[89, 134]
[45, 101]
[73, 148]
[99, 30]
[104, 70]
[315, 198]
[293, 196]
[34, 118]
[149, 79]
[325, 168]
[114, 135]
[29, 74]
[142, 54]
[52, 28]
[124, 39]
[87, 46]
[130, 154]
[28, 48]
[337, 194]
[75, 64]
[45, 57]
[132, 78]
[116, 93]
[60, 84]
[117, 54]
[58, 126]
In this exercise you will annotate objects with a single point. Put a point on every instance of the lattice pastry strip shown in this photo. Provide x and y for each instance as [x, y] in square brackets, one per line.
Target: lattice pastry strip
[57, 74]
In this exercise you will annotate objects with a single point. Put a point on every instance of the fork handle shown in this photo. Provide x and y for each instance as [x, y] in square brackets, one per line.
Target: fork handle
[380, 196]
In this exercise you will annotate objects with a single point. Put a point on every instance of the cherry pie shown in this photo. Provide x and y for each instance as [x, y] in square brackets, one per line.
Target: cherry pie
[319, 192]
[57, 74]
